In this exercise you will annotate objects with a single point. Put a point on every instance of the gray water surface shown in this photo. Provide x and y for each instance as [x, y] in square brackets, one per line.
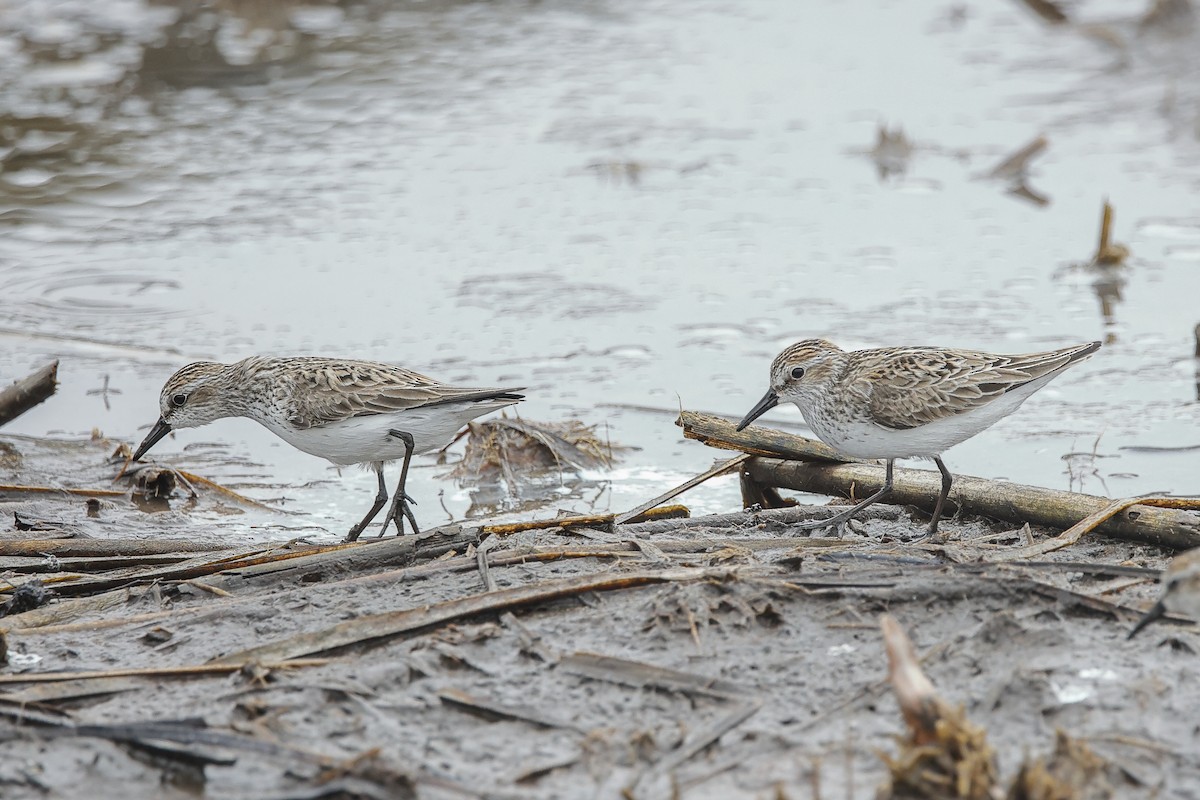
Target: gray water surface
[617, 205]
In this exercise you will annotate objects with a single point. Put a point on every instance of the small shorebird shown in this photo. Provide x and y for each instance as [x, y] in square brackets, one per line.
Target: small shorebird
[1180, 593]
[349, 412]
[904, 402]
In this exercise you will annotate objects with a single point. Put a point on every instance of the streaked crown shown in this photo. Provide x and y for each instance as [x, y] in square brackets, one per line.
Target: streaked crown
[193, 396]
[804, 367]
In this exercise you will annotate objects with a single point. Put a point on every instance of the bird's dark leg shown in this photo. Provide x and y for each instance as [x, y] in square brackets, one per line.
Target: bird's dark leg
[380, 499]
[400, 510]
[844, 516]
[947, 482]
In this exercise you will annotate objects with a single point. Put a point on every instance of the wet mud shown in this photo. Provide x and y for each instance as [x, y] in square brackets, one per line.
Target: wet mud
[718, 658]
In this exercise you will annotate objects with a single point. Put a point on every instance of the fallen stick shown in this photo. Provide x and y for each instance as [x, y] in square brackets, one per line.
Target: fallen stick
[718, 432]
[763, 519]
[1013, 502]
[491, 709]
[191, 671]
[700, 738]
[367, 555]
[584, 521]
[59, 691]
[644, 511]
[378, 628]
[173, 737]
[67, 609]
[226, 491]
[26, 393]
[1093, 521]
[42, 564]
[481, 561]
[180, 572]
[103, 548]
[11, 488]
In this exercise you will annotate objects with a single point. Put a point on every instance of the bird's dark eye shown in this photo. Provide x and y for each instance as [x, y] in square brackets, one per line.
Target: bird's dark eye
[178, 400]
[797, 373]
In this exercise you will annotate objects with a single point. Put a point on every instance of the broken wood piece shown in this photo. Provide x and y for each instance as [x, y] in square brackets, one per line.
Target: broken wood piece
[104, 548]
[581, 521]
[365, 555]
[493, 710]
[717, 432]
[26, 393]
[945, 755]
[700, 738]
[204, 587]
[189, 731]
[1107, 252]
[1143, 521]
[195, 568]
[192, 671]
[72, 690]
[1016, 166]
[371, 629]
[1094, 520]
[9, 488]
[481, 562]
[69, 609]
[754, 494]
[50, 563]
[191, 477]
[752, 519]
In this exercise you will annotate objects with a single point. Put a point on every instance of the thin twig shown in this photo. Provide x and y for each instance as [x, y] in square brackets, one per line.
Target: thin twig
[195, 670]
[481, 561]
[719, 469]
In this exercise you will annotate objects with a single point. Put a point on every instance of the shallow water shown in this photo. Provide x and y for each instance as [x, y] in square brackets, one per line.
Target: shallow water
[613, 204]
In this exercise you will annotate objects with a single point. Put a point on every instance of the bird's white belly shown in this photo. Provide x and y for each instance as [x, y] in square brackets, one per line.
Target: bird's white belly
[367, 438]
[865, 439]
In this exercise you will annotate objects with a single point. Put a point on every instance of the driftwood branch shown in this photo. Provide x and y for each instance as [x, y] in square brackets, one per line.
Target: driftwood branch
[718, 432]
[26, 393]
[1012, 502]
[104, 548]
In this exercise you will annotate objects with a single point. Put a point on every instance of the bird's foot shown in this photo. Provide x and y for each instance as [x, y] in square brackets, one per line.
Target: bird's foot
[399, 512]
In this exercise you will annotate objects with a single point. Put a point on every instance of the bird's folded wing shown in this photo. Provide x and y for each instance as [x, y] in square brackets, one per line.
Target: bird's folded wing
[346, 390]
[917, 387]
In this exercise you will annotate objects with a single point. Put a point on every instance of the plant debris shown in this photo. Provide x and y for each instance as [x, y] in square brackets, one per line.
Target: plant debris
[502, 449]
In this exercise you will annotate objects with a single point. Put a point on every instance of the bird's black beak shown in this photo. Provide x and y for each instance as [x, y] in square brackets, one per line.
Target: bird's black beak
[159, 430]
[1156, 611]
[769, 401]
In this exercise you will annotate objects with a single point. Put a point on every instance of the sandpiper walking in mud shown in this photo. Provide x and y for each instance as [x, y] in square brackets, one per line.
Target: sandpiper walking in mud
[1180, 591]
[349, 412]
[904, 402]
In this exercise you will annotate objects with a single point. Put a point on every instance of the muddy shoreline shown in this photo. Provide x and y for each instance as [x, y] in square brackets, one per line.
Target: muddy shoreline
[730, 658]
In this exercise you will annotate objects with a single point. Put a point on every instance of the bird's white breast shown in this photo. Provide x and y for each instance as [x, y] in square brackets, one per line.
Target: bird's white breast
[858, 437]
[368, 438]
